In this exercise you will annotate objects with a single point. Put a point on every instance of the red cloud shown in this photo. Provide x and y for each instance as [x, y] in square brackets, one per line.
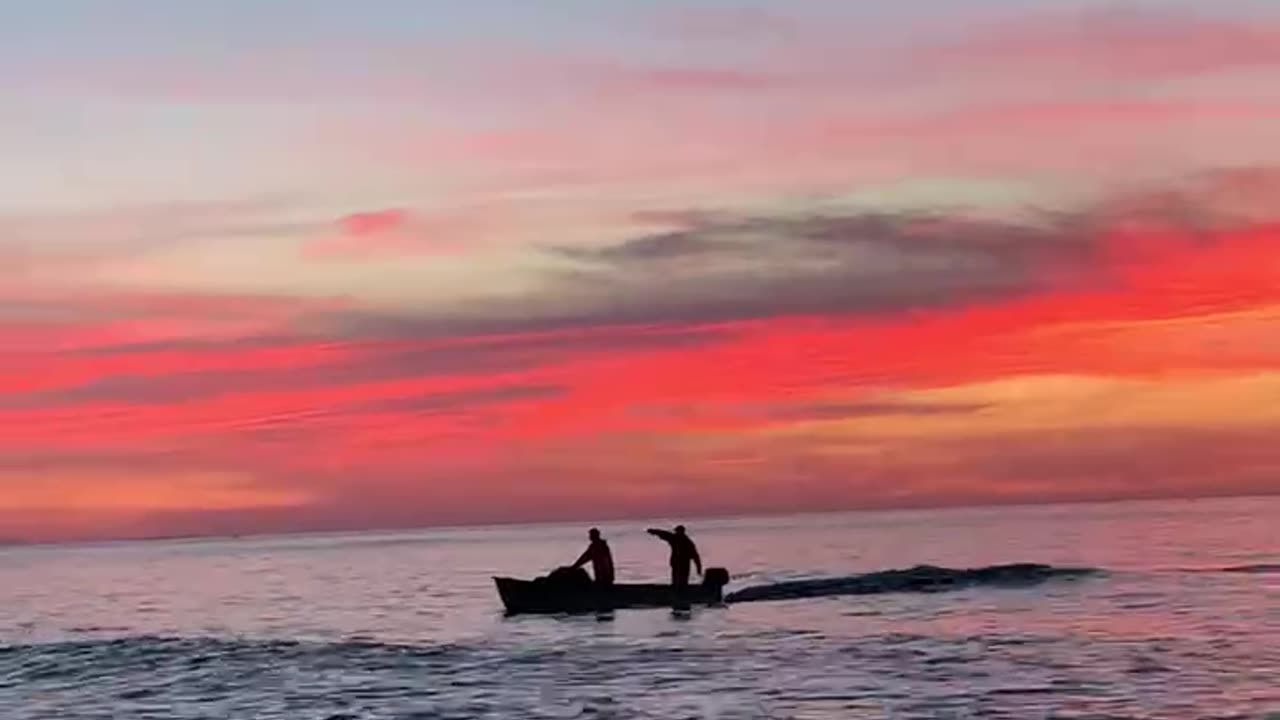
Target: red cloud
[846, 146]
[395, 232]
[372, 224]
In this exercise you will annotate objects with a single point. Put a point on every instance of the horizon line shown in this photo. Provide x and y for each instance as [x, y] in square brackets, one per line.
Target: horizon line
[8, 544]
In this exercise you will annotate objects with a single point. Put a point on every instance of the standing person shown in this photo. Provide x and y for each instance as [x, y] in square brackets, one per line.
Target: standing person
[601, 559]
[683, 551]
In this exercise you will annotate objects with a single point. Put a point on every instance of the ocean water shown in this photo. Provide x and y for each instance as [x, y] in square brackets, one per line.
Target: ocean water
[1181, 621]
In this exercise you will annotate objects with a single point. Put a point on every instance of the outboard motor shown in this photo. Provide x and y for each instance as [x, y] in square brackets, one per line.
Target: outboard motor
[714, 579]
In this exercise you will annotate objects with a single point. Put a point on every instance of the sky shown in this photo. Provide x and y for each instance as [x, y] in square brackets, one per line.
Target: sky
[319, 265]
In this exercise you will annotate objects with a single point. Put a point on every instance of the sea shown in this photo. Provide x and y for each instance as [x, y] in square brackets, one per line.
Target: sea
[1177, 617]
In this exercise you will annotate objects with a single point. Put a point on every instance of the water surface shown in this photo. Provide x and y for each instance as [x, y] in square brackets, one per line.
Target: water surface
[1183, 622]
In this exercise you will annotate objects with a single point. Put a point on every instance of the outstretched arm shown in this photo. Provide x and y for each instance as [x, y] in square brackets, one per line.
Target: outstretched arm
[661, 533]
[586, 555]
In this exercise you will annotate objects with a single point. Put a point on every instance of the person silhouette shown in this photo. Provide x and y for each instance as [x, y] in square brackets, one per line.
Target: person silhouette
[683, 552]
[601, 559]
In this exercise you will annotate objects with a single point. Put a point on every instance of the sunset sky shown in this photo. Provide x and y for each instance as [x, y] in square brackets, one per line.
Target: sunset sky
[312, 264]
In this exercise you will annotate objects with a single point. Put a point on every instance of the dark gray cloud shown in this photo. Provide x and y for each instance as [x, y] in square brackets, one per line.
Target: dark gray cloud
[803, 410]
[684, 245]
[529, 326]
[783, 237]
[719, 266]
[858, 263]
[850, 410]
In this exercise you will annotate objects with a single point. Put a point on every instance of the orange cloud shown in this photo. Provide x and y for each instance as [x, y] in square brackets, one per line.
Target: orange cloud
[137, 492]
[42, 504]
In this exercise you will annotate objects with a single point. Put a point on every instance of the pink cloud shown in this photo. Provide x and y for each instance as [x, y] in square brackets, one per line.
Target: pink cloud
[825, 51]
[397, 232]
[1130, 43]
[1142, 42]
[815, 110]
[841, 148]
[370, 224]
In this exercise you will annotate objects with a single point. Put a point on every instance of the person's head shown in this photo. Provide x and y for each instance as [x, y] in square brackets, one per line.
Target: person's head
[594, 534]
[679, 529]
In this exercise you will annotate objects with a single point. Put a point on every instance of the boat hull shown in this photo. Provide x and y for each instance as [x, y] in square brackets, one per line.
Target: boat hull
[538, 596]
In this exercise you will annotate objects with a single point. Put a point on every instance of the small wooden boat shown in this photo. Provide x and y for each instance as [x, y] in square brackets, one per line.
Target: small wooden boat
[570, 590]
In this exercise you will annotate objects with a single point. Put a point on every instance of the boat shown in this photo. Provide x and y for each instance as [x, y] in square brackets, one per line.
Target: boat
[570, 590]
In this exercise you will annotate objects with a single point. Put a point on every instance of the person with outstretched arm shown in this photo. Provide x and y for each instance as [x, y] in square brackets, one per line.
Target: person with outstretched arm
[601, 559]
[683, 552]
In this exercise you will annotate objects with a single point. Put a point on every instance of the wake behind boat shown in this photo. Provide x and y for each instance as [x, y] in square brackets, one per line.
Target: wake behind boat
[570, 590]
[918, 579]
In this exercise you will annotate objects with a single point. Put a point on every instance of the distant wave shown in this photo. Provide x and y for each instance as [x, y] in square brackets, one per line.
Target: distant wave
[1258, 569]
[137, 658]
[1264, 568]
[922, 578]
[155, 646]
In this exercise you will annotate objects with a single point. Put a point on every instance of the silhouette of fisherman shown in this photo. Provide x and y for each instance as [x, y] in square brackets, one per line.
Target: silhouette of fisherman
[683, 551]
[601, 559]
